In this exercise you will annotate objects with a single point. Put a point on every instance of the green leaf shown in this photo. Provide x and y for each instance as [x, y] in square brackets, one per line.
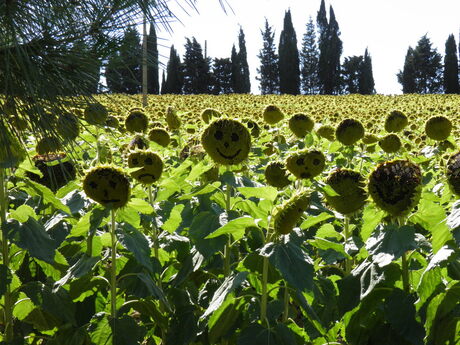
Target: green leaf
[48, 197]
[202, 225]
[201, 190]
[295, 266]
[371, 218]
[22, 213]
[256, 334]
[136, 243]
[183, 327]
[224, 318]
[90, 221]
[324, 244]
[100, 330]
[235, 227]
[328, 231]
[390, 242]
[268, 192]
[400, 313]
[83, 266]
[140, 205]
[432, 217]
[229, 284]
[128, 215]
[313, 220]
[23, 307]
[127, 331]
[32, 236]
[175, 218]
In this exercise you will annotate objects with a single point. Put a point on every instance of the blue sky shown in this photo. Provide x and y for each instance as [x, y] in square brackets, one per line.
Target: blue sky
[385, 27]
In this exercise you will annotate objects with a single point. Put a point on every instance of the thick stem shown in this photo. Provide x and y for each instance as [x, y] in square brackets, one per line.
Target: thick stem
[286, 304]
[228, 245]
[8, 311]
[154, 229]
[346, 229]
[263, 301]
[113, 269]
[405, 274]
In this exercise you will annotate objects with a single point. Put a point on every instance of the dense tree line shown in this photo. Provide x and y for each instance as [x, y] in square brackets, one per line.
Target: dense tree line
[316, 68]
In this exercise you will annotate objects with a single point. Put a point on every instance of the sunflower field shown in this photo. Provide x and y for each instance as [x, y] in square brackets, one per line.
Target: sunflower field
[233, 219]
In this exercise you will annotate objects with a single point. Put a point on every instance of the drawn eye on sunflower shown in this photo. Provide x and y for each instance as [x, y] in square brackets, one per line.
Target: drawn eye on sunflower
[108, 186]
[306, 164]
[226, 141]
[149, 164]
[396, 186]
[288, 215]
[349, 188]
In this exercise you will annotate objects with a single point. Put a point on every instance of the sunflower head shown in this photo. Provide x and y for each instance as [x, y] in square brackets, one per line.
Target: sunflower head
[276, 175]
[160, 136]
[390, 143]
[326, 132]
[453, 173]
[149, 164]
[306, 164]
[301, 124]
[349, 131]
[350, 195]
[396, 186]
[272, 114]
[136, 121]
[208, 114]
[68, 126]
[57, 170]
[172, 119]
[396, 121]
[288, 215]
[226, 141]
[96, 114]
[48, 145]
[108, 186]
[438, 128]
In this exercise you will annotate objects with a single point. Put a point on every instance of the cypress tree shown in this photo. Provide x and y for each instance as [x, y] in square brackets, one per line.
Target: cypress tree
[351, 73]
[406, 77]
[288, 58]
[174, 79]
[153, 86]
[222, 76]
[236, 72]
[451, 84]
[163, 83]
[309, 60]
[366, 78]
[336, 48]
[268, 70]
[243, 64]
[428, 63]
[130, 58]
[196, 73]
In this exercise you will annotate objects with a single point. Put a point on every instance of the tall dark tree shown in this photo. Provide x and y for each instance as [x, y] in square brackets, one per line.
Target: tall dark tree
[289, 58]
[153, 85]
[236, 71]
[268, 70]
[351, 73]
[309, 59]
[406, 77]
[330, 51]
[451, 83]
[174, 75]
[222, 76]
[245, 86]
[427, 68]
[123, 72]
[163, 83]
[197, 74]
[366, 78]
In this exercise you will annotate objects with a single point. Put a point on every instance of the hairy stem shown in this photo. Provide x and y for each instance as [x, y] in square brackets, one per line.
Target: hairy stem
[405, 273]
[263, 302]
[286, 304]
[228, 245]
[113, 269]
[348, 262]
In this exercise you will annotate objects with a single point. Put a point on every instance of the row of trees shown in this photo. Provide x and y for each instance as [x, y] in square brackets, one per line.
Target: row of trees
[425, 71]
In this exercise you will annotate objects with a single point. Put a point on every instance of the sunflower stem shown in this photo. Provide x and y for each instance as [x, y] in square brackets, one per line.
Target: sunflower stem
[405, 273]
[8, 301]
[154, 229]
[113, 268]
[286, 304]
[263, 301]
[228, 245]
[348, 262]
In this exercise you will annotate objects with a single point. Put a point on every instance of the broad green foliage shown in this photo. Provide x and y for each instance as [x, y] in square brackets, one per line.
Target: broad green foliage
[235, 219]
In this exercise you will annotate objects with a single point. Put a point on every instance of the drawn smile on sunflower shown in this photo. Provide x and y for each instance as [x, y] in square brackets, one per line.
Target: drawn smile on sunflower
[150, 166]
